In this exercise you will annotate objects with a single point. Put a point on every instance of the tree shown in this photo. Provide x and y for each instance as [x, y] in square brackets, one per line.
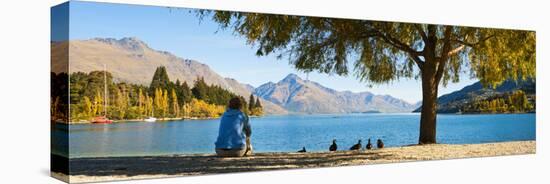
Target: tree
[54, 106]
[158, 107]
[164, 103]
[186, 93]
[244, 105]
[141, 103]
[131, 101]
[201, 109]
[383, 52]
[87, 107]
[149, 105]
[200, 89]
[251, 103]
[175, 104]
[60, 97]
[97, 108]
[258, 104]
[121, 103]
[160, 79]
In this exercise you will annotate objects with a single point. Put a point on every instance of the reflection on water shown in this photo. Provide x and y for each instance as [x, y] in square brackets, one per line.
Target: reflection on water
[289, 133]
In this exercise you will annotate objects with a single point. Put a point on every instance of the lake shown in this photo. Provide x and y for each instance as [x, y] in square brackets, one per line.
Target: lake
[288, 133]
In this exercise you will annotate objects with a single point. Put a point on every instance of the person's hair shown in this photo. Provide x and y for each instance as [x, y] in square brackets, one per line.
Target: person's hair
[235, 103]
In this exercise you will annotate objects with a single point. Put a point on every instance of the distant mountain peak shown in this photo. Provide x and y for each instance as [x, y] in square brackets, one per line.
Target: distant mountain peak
[132, 41]
[300, 96]
[291, 77]
[129, 43]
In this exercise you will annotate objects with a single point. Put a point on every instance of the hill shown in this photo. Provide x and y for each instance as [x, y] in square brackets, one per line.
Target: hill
[304, 96]
[453, 102]
[132, 61]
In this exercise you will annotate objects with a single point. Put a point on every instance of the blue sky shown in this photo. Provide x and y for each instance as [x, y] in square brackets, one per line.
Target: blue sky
[179, 31]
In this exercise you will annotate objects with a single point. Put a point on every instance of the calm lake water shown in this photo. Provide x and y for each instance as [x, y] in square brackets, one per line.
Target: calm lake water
[289, 133]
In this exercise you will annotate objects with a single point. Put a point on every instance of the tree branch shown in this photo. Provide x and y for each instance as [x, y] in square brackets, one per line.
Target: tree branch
[446, 43]
[442, 59]
[418, 61]
[421, 31]
[472, 44]
[374, 32]
[431, 32]
[430, 45]
[398, 44]
[456, 50]
[440, 69]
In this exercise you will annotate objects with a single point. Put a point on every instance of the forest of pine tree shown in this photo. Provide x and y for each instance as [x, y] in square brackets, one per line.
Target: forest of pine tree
[513, 102]
[254, 106]
[162, 99]
[59, 108]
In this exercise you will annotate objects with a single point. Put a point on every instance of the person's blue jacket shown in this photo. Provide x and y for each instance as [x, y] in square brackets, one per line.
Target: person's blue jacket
[234, 128]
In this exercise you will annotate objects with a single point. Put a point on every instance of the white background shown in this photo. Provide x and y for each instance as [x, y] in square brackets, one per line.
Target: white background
[24, 90]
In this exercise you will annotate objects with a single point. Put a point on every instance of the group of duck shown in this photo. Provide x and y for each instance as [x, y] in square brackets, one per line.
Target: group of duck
[358, 146]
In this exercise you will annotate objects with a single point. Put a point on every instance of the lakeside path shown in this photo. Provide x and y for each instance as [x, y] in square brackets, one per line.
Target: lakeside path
[125, 168]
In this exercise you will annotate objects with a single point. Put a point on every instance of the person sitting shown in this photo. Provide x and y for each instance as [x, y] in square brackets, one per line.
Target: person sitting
[234, 132]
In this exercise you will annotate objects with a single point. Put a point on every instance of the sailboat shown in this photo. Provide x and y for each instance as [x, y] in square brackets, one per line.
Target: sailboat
[103, 119]
[151, 118]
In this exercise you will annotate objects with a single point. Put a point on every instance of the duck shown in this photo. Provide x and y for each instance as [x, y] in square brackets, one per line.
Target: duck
[356, 146]
[303, 150]
[333, 147]
[379, 144]
[369, 145]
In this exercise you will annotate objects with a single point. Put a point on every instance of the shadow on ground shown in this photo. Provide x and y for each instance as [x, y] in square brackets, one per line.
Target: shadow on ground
[209, 164]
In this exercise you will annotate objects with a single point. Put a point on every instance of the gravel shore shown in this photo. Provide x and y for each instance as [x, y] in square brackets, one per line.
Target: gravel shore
[125, 168]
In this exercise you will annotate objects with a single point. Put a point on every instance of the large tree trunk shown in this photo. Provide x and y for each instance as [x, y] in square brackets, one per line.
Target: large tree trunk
[429, 105]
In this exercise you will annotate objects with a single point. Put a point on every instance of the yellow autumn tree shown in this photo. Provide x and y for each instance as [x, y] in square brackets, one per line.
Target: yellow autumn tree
[121, 104]
[141, 103]
[201, 109]
[158, 101]
[97, 107]
[149, 105]
[86, 107]
[164, 103]
[175, 105]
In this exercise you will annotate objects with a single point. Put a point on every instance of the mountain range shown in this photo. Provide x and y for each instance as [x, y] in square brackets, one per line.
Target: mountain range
[453, 102]
[298, 95]
[133, 61]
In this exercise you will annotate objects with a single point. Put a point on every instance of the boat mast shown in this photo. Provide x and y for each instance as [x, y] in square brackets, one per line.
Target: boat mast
[105, 87]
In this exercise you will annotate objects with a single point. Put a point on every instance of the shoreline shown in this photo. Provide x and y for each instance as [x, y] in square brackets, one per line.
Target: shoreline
[147, 167]
[142, 120]
[212, 118]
